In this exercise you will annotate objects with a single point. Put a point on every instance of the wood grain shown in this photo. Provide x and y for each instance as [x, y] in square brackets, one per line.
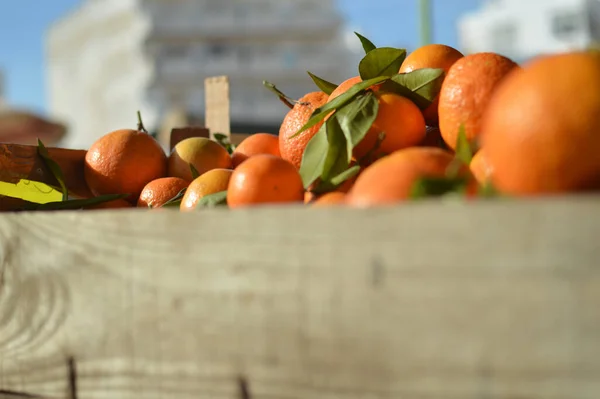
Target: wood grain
[22, 162]
[217, 107]
[491, 300]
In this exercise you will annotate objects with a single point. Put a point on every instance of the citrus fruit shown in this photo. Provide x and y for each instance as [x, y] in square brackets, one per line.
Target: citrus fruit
[390, 179]
[201, 152]
[211, 182]
[159, 191]
[344, 86]
[292, 148]
[258, 143]
[541, 132]
[400, 120]
[329, 199]
[262, 179]
[431, 56]
[123, 162]
[466, 92]
[480, 167]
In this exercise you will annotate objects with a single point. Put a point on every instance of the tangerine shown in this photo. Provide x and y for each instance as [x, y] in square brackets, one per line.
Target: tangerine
[211, 182]
[262, 179]
[391, 179]
[156, 193]
[535, 139]
[431, 56]
[292, 148]
[258, 143]
[123, 162]
[201, 152]
[466, 92]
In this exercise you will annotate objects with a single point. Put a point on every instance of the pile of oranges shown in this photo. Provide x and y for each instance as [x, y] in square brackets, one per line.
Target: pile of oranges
[437, 123]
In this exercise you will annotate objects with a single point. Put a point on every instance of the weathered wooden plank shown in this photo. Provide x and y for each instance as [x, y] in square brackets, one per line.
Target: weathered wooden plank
[22, 162]
[433, 300]
[217, 107]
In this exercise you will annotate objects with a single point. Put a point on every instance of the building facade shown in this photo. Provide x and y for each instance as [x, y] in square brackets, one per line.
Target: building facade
[521, 29]
[110, 58]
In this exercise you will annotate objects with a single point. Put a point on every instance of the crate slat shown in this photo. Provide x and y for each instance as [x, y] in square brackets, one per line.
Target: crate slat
[432, 300]
[23, 162]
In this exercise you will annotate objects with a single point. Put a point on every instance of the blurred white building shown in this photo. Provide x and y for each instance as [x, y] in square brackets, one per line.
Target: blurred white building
[521, 29]
[109, 58]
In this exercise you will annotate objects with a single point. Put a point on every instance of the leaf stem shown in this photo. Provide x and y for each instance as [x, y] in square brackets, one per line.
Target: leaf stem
[288, 101]
[140, 125]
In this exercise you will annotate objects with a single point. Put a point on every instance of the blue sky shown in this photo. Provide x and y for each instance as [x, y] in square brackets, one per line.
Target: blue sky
[23, 24]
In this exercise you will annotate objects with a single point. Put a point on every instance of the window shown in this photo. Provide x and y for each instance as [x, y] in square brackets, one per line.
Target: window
[175, 51]
[217, 50]
[565, 24]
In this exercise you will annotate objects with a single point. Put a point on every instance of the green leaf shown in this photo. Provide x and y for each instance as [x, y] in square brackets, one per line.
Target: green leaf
[345, 175]
[54, 168]
[383, 61]
[421, 86]
[313, 158]
[357, 117]
[78, 203]
[368, 45]
[326, 186]
[320, 113]
[176, 200]
[325, 86]
[437, 186]
[487, 190]
[223, 140]
[464, 152]
[213, 200]
[339, 150]
[195, 173]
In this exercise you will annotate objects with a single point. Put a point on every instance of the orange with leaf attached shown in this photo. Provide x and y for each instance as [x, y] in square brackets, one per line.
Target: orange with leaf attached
[292, 146]
[156, 193]
[399, 123]
[391, 179]
[211, 182]
[437, 56]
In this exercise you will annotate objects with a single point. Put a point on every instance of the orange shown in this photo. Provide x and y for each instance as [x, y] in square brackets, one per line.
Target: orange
[211, 182]
[205, 154]
[401, 121]
[344, 86]
[466, 92]
[398, 117]
[159, 191]
[123, 162]
[292, 148]
[480, 167]
[390, 179]
[541, 132]
[259, 143]
[329, 199]
[263, 179]
[437, 56]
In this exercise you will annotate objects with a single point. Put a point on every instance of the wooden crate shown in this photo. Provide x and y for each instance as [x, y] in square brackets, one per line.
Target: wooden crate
[437, 300]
